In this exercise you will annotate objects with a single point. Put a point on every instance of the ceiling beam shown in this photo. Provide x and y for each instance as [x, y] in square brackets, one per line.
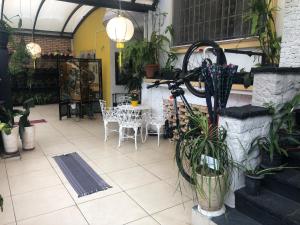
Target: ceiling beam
[37, 15]
[2, 9]
[83, 19]
[69, 18]
[114, 4]
[28, 32]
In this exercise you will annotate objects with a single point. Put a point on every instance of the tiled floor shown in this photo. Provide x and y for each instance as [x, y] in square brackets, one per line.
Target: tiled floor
[144, 182]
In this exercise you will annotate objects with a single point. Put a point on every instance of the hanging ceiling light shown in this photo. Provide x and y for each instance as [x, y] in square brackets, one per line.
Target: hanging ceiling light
[120, 29]
[34, 49]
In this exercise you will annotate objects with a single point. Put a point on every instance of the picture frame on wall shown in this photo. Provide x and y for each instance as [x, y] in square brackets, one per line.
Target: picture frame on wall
[118, 78]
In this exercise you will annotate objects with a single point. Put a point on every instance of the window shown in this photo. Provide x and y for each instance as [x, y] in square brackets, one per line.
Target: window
[210, 19]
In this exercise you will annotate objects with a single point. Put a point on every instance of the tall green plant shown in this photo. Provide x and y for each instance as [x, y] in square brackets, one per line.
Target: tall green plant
[263, 25]
[19, 59]
[208, 155]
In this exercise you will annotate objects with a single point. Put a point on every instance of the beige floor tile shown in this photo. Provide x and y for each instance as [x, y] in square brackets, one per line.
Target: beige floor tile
[33, 154]
[144, 221]
[178, 215]
[67, 216]
[17, 167]
[101, 153]
[182, 186]
[112, 164]
[33, 181]
[164, 169]
[156, 197]
[100, 194]
[2, 169]
[7, 216]
[121, 208]
[4, 187]
[41, 201]
[57, 149]
[147, 157]
[133, 177]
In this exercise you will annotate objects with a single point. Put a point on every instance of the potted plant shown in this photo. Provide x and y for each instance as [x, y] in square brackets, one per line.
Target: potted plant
[271, 151]
[263, 26]
[153, 47]
[26, 129]
[9, 131]
[254, 177]
[210, 163]
[289, 132]
[134, 95]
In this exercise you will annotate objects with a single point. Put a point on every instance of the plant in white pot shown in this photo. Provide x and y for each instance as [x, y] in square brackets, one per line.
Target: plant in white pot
[9, 131]
[205, 152]
[27, 130]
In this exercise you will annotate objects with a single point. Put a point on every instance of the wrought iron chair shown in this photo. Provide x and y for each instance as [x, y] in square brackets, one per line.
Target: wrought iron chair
[130, 118]
[109, 115]
[158, 121]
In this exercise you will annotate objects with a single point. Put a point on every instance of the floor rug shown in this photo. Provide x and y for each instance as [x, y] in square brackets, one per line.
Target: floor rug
[80, 175]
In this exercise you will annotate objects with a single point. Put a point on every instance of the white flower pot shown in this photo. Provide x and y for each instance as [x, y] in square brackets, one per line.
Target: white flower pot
[28, 140]
[11, 141]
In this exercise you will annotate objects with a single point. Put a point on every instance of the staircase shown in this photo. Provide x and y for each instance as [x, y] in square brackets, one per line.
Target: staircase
[277, 204]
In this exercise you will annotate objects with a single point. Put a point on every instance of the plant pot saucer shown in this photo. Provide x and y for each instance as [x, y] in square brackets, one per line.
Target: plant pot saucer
[211, 214]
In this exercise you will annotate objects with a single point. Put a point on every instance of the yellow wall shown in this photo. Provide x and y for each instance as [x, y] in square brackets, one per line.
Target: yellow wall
[91, 35]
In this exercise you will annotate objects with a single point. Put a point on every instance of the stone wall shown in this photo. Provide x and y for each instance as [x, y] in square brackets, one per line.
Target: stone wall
[290, 46]
[277, 87]
[243, 125]
[47, 43]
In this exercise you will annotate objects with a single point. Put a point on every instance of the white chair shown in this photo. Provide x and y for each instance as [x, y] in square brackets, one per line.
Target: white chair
[157, 121]
[109, 115]
[130, 118]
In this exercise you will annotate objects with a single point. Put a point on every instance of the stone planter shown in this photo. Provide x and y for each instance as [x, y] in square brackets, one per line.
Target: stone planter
[212, 198]
[10, 141]
[28, 140]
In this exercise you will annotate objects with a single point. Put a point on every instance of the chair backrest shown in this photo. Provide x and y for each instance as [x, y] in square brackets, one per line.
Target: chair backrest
[108, 113]
[129, 117]
[124, 100]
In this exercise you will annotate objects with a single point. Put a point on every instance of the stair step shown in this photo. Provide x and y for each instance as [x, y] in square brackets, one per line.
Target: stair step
[234, 217]
[285, 183]
[268, 208]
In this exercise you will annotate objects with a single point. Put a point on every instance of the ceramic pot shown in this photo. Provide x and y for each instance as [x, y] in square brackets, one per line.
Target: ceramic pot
[134, 103]
[151, 69]
[28, 140]
[10, 141]
[212, 198]
[253, 184]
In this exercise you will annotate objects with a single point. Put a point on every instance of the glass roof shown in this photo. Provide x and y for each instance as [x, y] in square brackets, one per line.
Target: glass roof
[52, 15]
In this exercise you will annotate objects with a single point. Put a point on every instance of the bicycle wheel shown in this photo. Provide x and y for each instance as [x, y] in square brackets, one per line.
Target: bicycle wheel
[193, 60]
[183, 162]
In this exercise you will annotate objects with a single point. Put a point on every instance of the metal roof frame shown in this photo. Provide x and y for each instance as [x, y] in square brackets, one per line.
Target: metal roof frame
[114, 4]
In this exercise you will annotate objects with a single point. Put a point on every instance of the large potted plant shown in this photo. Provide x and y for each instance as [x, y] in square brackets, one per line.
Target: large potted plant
[26, 129]
[156, 45]
[210, 163]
